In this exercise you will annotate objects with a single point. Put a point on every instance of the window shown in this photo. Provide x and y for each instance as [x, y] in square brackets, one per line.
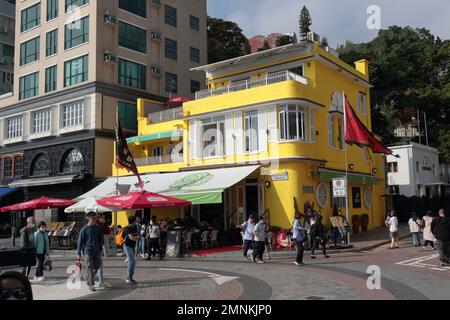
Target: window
[40, 167]
[394, 189]
[368, 198]
[8, 51]
[194, 23]
[138, 7]
[72, 162]
[29, 86]
[417, 166]
[74, 4]
[7, 77]
[132, 74]
[51, 43]
[76, 33]
[7, 167]
[132, 37]
[72, 114]
[392, 166]
[170, 15]
[213, 136]
[75, 71]
[41, 121]
[362, 103]
[292, 123]
[52, 9]
[30, 17]
[321, 195]
[50, 79]
[336, 131]
[195, 55]
[29, 51]
[18, 166]
[195, 86]
[14, 127]
[251, 131]
[171, 83]
[128, 116]
[157, 151]
[171, 50]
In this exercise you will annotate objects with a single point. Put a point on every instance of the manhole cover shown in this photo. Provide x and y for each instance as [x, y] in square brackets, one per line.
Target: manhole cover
[315, 298]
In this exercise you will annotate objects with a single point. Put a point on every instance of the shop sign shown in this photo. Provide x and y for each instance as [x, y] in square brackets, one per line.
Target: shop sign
[339, 188]
[280, 177]
[308, 189]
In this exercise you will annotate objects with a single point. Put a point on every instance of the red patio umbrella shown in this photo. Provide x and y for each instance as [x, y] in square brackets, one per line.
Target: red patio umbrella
[142, 200]
[39, 203]
[178, 101]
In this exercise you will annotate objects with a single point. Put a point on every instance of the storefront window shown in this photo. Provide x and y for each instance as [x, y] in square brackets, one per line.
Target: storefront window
[40, 166]
[72, 162]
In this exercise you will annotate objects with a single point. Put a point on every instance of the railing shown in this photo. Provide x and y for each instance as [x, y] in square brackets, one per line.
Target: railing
[159, 160]
[166, 115]
[248, 84]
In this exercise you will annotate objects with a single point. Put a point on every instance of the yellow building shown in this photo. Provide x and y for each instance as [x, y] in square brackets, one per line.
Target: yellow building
[269, 129]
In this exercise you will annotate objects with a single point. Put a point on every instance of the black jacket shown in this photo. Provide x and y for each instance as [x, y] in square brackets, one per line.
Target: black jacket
[317, 231]
[440, 227]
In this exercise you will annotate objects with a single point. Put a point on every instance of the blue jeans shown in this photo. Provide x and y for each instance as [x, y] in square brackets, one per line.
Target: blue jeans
[100, 273]
[143, 240]
[415, 238]
[130, 252]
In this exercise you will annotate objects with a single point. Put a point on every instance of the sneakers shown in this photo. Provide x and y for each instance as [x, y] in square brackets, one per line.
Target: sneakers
[313, 257]
[326, 256]
[102, 285]
[268, 257]
[126, 260]
[253, 259]
[444, 264]
[130, 281]
[261, 261]
[92, 288]
[300, 264]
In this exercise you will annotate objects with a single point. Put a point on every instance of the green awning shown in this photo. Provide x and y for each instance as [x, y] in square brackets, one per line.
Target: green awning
[155, 136]
[327, 175]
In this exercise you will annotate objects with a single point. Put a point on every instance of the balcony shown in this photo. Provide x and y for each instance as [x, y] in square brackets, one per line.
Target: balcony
[248, 84]
[166, 115]
[149, 161]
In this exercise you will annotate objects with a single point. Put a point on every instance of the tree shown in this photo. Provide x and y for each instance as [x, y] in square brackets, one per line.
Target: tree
[284, 40]
[265, 46]
[304, 22]
[225, 40]
[324, 42]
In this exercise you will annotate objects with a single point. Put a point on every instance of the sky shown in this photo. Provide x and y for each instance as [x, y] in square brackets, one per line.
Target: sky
[338, 20]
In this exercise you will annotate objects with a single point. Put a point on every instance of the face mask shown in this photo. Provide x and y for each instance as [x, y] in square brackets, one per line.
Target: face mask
[33, 225]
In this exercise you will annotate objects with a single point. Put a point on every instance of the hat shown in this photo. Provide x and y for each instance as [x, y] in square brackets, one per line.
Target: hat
[90, 214]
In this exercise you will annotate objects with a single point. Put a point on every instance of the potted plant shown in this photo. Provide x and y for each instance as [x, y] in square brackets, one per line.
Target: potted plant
[356, 222]
[364, 222]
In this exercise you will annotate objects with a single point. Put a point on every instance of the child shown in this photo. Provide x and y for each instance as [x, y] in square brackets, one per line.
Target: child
[214, 236]
[204, 239]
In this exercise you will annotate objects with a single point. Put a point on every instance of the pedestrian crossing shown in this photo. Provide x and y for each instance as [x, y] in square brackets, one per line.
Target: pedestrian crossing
[424, 262]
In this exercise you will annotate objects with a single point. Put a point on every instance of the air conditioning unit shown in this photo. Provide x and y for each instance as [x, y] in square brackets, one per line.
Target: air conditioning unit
[110, 18]
[108, 57]
[156, 35]
[313, 37]
[156, 71]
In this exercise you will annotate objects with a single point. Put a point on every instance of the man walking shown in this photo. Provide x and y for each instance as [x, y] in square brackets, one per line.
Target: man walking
[131, 236]
[153, 234]
[248, 227]
[90, 244]
[441, 230]
[27, 240]
[259, 233]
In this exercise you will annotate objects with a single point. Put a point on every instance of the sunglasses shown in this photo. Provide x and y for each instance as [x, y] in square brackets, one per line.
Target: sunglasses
[7, 294]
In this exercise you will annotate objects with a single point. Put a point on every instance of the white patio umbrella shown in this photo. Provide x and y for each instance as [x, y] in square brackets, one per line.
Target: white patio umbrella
[87, 205]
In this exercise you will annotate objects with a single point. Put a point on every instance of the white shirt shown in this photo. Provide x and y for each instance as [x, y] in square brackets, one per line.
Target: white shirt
[393, 224]
[414, 226]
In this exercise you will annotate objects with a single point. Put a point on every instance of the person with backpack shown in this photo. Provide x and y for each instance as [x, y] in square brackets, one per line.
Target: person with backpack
[153, 235]
[415, 224]
[259, 234]
[90, 245]
[298, 236]
[130, 236]
[42, 245]
[441, 230]
[27, 240]
[247, 227]
[318, 237]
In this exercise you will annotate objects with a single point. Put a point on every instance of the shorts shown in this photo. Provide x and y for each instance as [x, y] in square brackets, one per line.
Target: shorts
[394, 234]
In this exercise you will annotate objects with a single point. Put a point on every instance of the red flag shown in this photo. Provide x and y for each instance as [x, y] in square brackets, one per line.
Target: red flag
[124, 158]
[357, 133]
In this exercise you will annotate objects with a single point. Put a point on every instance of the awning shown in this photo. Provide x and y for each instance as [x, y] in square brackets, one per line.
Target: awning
[355, 178]
[43, 181]
[6, 191]
[155, 136]
[199, 187]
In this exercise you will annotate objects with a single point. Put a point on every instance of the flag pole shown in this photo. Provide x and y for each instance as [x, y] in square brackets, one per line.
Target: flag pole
[117, 168]
[346, 165]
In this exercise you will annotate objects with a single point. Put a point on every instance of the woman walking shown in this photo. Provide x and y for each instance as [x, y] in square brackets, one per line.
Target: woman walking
[42, 244]
[428, 237]
[392, 223]
[318, 237]
[298, 235]
[415, 224]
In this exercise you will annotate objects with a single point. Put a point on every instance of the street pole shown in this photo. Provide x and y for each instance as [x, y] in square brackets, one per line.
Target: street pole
[426, 129]
[418, 124]
[346, 166]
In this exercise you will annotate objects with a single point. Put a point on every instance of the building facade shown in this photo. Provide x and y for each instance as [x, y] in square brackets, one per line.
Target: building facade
[76, 62]
[7, 27]
[417, 173]
[265, 138]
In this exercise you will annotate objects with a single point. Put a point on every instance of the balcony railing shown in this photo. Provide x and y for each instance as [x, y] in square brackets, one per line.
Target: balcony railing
[159, 160]
[166, 115]
[248, 84]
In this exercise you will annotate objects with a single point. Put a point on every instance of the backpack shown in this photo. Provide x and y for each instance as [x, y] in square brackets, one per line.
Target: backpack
[120, 240]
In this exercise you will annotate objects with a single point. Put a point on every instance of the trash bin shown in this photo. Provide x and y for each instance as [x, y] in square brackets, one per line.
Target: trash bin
[175, 247]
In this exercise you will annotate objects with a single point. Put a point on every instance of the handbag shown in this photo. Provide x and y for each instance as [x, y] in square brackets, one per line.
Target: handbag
[48, 264]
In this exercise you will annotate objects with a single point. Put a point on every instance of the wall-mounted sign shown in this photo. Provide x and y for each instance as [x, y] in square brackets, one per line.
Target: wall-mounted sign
[339, 188]
[308, 189]
[280, 177]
